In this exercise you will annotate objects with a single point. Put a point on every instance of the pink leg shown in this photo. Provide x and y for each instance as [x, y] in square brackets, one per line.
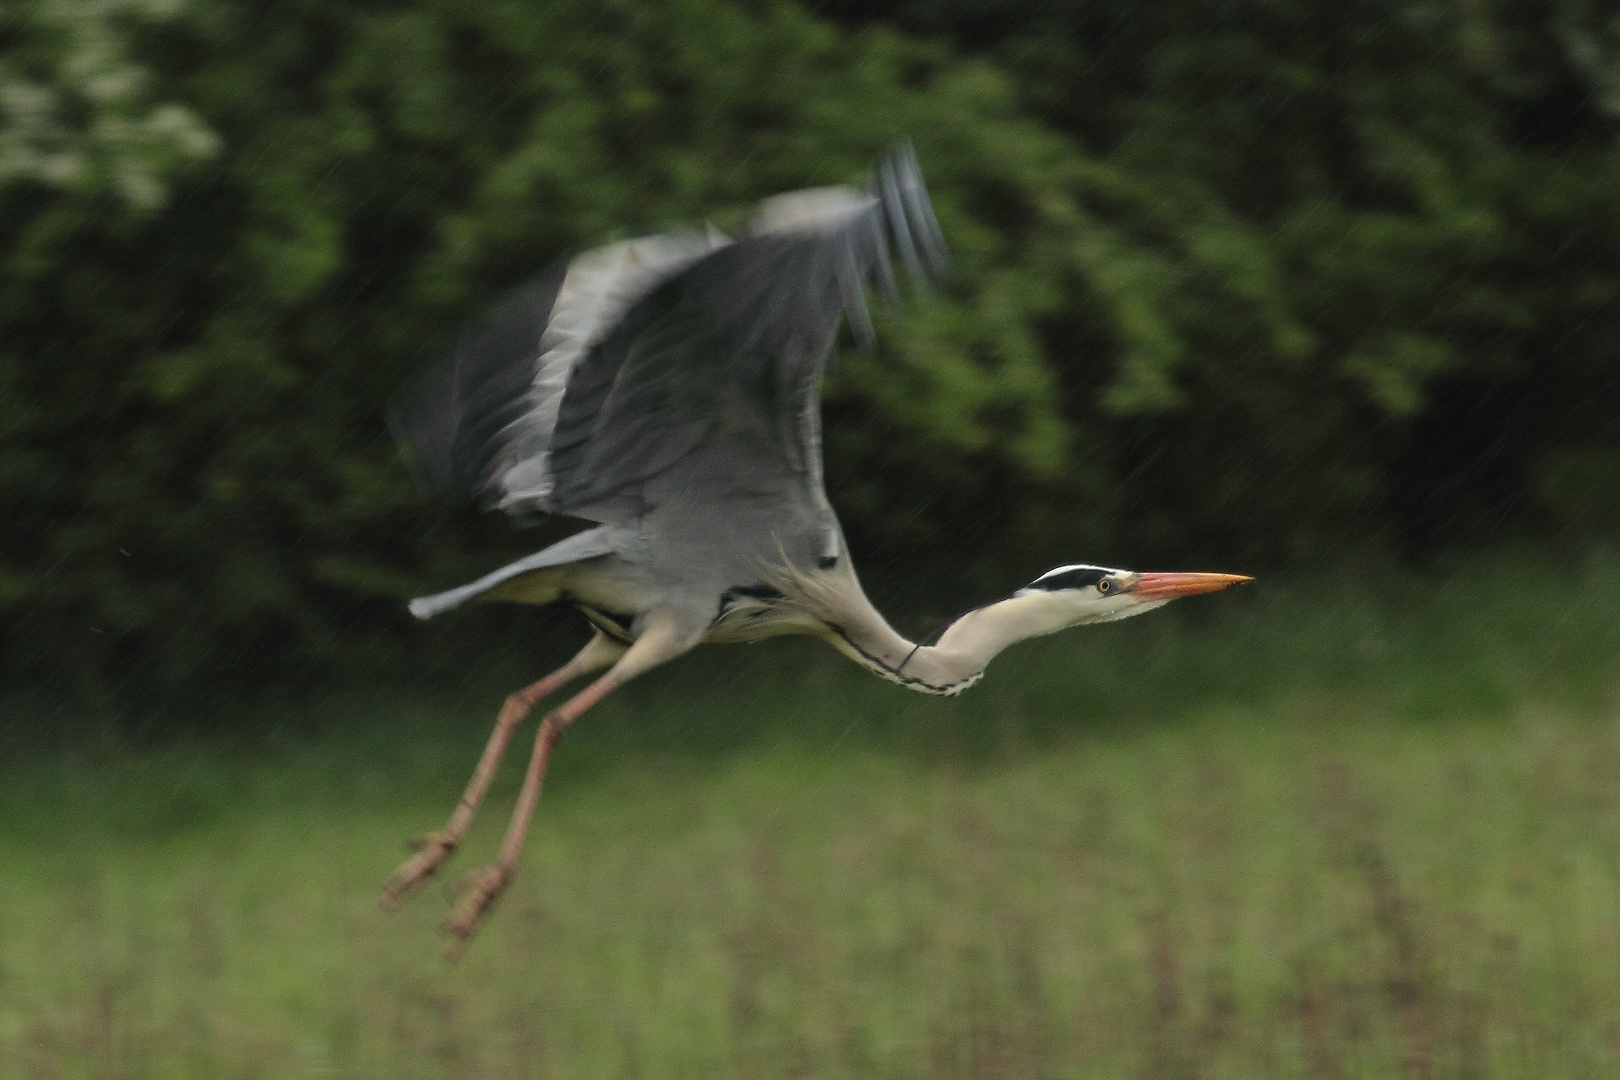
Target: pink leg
[433, 849]
[483, 886]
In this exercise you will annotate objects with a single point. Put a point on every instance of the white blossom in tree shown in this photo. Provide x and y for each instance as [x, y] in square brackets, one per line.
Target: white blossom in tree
[77, 110]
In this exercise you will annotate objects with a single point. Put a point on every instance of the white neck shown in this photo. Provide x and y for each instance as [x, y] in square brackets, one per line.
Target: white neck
[958, 659]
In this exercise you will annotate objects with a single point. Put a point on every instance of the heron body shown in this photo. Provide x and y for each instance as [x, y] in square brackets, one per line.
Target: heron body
[667, 390]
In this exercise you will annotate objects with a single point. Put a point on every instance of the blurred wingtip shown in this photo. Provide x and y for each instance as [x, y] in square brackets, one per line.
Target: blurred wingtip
[412, 418]
[909, 214]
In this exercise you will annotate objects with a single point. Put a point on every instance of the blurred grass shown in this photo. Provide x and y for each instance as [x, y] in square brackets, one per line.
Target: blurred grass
[1365, 825]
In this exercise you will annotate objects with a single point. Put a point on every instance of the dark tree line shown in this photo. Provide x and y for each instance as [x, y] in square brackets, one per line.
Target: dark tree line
[1259, 280]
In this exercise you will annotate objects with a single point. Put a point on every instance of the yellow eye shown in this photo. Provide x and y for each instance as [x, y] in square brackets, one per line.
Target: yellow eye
[1104, 585]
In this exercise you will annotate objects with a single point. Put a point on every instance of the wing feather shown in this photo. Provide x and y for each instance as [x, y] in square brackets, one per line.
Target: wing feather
[480, 424]
[611, 370]
[733, 347]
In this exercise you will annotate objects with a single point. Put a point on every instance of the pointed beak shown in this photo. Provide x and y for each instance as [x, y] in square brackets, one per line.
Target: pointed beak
[1170, 586]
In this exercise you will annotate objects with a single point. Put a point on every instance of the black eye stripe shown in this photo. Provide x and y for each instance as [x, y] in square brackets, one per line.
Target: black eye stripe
[1070, 579]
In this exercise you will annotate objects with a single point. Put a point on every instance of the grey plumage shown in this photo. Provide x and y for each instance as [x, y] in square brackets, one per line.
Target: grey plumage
[667, 389]
[589, 544]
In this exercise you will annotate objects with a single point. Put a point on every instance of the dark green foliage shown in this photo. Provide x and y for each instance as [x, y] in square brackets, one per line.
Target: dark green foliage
[1374, 247]
[1252, 281]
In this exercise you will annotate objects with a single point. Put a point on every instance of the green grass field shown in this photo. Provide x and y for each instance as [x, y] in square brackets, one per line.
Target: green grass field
[1341, 828]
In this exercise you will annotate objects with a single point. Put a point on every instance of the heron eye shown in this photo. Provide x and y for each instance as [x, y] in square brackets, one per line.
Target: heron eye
[1104, 585]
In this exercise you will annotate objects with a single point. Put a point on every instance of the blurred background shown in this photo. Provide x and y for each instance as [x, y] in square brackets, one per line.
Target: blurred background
[1324, 293]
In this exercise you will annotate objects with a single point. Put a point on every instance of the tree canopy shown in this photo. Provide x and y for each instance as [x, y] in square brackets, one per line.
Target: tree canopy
[1262, 280]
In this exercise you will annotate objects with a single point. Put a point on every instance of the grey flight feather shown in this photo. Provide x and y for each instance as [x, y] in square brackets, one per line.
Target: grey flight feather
[606, 372]
[448, 425]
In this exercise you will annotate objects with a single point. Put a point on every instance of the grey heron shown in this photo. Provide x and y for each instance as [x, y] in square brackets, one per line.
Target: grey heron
[666, 388]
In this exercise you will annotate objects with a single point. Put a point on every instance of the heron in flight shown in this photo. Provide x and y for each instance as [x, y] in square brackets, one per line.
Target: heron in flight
[667, 389]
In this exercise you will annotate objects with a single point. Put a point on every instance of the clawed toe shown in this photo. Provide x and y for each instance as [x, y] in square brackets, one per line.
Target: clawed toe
[431, 851]
[479, 890]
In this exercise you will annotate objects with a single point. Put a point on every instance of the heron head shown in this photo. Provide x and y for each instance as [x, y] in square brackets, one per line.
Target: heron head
[1072, 595]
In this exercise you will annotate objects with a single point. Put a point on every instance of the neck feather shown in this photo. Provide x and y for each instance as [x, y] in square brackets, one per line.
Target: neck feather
[948, 666]
[958, 658]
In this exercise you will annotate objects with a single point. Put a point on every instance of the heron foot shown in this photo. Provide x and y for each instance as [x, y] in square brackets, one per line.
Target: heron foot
[479, 891]
[431, 851]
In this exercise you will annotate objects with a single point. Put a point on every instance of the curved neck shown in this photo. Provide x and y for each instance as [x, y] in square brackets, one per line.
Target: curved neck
[957, 660]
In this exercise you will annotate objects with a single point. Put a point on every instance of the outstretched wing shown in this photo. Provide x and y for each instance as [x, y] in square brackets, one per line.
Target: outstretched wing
[610, 371]
[475, 424]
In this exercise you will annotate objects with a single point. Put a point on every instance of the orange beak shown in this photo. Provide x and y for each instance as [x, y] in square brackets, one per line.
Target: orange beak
[1170, 586]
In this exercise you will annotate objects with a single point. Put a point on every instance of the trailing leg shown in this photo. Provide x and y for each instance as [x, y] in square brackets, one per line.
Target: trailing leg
[660, 642]
[433, 849]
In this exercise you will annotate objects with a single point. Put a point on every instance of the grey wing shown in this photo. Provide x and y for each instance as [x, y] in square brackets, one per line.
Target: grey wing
[479, 424]
[613, 369]
[729, 352]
